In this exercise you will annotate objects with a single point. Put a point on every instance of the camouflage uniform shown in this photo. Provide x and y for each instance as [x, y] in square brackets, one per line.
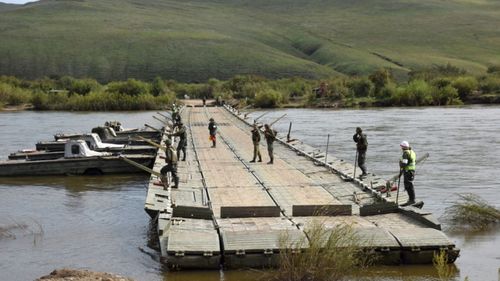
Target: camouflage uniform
[171, 164]
[270, 136]
[182, 134]
[361, 146]
[256, 141]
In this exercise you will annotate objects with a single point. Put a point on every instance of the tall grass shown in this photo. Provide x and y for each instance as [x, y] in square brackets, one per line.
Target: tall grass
[446, 271]
[471, 212]
[325, 255]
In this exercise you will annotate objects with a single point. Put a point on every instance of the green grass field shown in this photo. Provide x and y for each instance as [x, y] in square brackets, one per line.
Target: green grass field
[189, 40]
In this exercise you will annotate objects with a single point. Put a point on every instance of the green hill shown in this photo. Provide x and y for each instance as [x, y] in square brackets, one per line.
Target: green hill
[191, 40]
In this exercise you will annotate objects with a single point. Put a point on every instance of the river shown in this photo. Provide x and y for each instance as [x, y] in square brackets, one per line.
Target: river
[99, 223]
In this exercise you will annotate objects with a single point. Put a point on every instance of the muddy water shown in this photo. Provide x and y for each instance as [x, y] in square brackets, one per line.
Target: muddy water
[99, 223]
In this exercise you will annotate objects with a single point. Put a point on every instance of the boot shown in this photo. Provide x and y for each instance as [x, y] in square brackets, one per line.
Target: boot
[408, 203]
[176, 183]
[253, 161]
[260, 159]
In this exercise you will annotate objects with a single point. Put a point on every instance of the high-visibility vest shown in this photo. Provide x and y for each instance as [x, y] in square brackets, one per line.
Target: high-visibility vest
[411, 160]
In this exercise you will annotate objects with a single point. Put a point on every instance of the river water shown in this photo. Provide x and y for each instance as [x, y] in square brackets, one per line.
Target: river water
[99, 223]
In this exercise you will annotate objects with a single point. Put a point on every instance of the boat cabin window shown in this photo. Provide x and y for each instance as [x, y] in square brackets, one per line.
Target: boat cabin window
[88, 143]
[75, 149]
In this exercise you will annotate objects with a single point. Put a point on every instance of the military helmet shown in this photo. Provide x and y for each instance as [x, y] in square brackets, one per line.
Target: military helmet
[168, 142]
[211, 119]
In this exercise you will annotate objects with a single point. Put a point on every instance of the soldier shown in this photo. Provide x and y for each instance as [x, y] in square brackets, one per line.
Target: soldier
[270, 136]
[212, 130]
[256, 141]
[361, 146]
[182, 134]
[407, 165]
[171, 161]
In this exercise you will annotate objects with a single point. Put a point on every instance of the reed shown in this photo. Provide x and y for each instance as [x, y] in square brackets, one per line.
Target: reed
[446, 271]
[471, 211]
[323, 255]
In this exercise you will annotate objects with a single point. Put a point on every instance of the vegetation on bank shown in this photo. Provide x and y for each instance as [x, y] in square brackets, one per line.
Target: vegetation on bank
[437, 85]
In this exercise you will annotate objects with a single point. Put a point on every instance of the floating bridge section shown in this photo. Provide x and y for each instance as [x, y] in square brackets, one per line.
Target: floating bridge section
[230, 212]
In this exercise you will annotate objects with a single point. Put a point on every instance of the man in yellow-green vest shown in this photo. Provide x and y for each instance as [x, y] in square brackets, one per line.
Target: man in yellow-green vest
[407, 165]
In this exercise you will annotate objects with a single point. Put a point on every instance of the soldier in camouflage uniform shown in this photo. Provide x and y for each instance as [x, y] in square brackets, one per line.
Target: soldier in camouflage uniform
[171, 164]
[361, 146]
[256, 141]
[182, 134]
[270, 136]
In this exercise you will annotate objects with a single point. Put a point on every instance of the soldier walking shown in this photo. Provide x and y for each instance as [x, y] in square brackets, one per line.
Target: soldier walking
[171, 164]
[270, 136]
[212, 130]
[256, 141]
[361, 146]
[182, 134]
[407, 164]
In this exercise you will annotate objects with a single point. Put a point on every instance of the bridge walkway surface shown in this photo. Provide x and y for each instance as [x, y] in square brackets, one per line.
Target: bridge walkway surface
[232, 213]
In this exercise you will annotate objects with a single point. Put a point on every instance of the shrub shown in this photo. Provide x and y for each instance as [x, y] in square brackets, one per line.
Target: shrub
[158, 87]
[465, 85]
[380, 79]
[493, 69]
[446, 96]
[131, 87]
[361, 87]
[267, 99]
[490, 84]
[40, 101]
[79, 86]
[417, 92]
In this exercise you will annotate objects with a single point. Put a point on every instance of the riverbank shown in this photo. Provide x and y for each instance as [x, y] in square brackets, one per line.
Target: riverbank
[434, 86]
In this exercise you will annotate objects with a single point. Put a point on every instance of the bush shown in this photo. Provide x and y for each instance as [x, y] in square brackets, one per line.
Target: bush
[490, 84]
[465, 85]
[380, 79]
[268, 99]
[416, 93]
[446, 96]
[12, 95]
[78, 86]
[361, 87]
[131, 87]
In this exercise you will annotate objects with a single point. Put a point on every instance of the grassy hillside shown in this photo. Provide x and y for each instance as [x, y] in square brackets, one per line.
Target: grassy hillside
[191, 40]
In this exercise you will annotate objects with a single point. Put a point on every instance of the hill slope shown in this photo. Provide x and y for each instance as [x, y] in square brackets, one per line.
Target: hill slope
[192, 40]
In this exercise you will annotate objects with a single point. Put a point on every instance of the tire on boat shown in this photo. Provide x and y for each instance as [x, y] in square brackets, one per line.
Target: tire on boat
[93, 172]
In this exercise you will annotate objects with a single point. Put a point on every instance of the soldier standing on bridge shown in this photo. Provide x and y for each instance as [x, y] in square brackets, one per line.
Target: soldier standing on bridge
[212, 130]
[270, 136]
[256, 141]
[407, 165]
[182, 134]
[361, 146]
[171, 161]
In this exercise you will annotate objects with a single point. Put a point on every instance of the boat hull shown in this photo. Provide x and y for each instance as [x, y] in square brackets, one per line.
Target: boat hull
[74, 166]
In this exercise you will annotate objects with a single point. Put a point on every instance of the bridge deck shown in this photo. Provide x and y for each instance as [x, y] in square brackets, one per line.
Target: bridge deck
[227, 206]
